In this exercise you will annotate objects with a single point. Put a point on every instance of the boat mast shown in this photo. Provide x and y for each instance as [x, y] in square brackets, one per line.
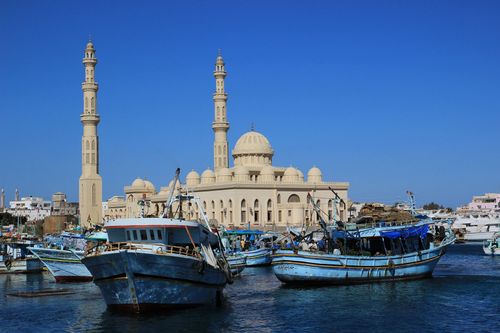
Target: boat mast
[169, 202]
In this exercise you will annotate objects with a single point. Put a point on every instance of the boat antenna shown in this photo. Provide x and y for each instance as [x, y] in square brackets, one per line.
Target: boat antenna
[168, 205]
[413, 206]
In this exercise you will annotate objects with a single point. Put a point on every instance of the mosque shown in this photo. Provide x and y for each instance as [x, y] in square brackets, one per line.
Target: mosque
[253, 193]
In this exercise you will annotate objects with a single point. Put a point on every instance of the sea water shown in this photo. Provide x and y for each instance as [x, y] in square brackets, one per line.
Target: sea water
[463, 296]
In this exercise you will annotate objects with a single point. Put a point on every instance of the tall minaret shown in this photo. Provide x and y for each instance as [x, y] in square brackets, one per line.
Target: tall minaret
[90, 180]
[220, 124]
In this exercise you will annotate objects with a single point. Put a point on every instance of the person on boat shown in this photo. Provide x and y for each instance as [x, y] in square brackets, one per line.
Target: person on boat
[304, 246]
[321, 244]
[313, 246]
[242, 244]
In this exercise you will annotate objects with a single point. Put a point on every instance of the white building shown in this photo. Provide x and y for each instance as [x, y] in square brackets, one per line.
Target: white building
[33, 208]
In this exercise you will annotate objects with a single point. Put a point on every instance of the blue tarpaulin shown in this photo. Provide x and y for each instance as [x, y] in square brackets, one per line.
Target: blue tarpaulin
[407, 232]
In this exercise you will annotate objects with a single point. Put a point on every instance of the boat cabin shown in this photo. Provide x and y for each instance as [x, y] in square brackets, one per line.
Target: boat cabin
[160, 231]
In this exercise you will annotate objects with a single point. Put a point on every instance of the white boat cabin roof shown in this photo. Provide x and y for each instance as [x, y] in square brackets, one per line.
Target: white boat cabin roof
[156, 222]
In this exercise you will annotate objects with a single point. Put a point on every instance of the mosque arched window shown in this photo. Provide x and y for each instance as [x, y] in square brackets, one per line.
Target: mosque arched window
[87, 145]
[213, 204]
[93, 158]
[204, 205]
[278, 199]
[93, 144]
[230, 203]
[86, 104]
[269, 210]
[294, 198]
[330, 209]
[256, 211]
[243, 211]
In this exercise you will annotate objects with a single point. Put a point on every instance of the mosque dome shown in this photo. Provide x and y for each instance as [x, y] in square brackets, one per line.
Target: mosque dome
[314, 175]
[149, 185]
[301, 175]
[192, 178]
[138, 182]
[291, 175]
[253, 148]
[90, 45]
[207, 177]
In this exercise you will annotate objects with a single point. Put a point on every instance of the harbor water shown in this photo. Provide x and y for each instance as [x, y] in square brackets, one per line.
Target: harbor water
[462, 296]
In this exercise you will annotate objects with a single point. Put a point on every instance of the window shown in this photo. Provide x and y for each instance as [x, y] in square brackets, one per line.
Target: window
[213, 204]
[134, 233]
[279, 216]
[289, 213]
[151, 234]
[128, 235]
[294, 198]
[279, 199]
[159, 234]
[230, 203]
[144, 235]
[93, 195]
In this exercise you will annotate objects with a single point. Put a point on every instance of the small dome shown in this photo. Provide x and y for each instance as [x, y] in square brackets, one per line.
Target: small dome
[301, 175]
[267, 170]
[291, 171]
[192, 175]
[149, 185]
[208, 174]
[138, 182]
[207, 177]
[291, 175]
[90, 45]
[314, 175]
[192, 178]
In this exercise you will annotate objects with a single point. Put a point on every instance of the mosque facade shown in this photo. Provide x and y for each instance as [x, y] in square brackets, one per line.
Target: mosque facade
[253, 193]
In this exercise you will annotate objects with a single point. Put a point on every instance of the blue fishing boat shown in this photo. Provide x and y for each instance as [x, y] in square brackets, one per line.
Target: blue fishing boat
[258, 257]
[64, 265]
[414, 255]
[237, 263]
[166, 262]
[249, 244]
[349, 255]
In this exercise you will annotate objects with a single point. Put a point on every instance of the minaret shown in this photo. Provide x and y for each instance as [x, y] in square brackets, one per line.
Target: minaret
[220, 124]
[90, 180]
[2, 201]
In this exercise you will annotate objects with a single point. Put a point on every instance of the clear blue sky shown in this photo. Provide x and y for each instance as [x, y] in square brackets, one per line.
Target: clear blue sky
[388, 95]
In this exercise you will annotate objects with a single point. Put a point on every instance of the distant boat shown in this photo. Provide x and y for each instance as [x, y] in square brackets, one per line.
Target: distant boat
[492, 246]
[258, 257]
[64, 265]
[476, 226]
[15, 258]
[256, 254]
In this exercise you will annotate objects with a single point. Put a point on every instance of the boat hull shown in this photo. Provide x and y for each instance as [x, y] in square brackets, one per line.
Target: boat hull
[140, 281]
[260, 257]
[65, 266]
[237, 263]
[313, 268]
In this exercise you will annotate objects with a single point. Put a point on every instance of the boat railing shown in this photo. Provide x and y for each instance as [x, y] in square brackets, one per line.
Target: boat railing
[161, 249]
